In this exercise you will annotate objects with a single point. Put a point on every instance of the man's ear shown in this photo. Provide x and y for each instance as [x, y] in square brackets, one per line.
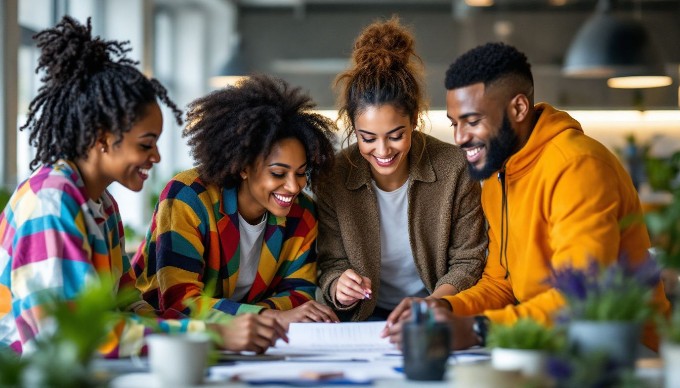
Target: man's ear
[519, 108]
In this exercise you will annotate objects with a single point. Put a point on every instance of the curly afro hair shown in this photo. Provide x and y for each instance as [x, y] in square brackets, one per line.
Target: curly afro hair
[386, 70]
[89, 86]
[489, 63]
[229, 129]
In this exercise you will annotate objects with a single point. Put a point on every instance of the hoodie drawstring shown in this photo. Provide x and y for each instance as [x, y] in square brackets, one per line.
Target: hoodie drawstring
[505, 228]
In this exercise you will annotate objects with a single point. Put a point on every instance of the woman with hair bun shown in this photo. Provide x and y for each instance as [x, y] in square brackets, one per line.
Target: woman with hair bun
[95, 121]
[238, 225]
[400, 216]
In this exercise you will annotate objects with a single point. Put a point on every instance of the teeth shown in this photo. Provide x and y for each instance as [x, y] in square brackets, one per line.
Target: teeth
[383, 160]
[144, 171]
[284, 198]
[474, 151]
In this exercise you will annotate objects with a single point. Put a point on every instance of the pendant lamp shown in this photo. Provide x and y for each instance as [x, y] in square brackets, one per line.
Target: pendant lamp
[232, 71]
[615, 47]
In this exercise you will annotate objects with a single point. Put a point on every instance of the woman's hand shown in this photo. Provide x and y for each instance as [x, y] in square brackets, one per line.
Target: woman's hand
[250, 332]
[352, 287]
[311, 311]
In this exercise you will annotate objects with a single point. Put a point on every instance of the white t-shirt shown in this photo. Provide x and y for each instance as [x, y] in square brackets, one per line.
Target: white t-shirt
[399, 277]
[250, 244]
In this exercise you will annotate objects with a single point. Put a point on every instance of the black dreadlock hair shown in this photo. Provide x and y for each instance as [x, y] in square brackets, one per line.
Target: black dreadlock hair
[90, 87]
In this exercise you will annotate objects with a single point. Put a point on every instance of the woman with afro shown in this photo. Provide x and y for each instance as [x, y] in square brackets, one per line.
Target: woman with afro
[238, 226]
[95, 121]
[400, 216]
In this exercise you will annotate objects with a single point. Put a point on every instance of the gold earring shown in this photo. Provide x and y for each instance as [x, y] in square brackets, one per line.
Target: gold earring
[103, 149]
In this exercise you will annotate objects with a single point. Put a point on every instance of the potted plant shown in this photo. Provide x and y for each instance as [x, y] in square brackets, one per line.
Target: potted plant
[62, 357]
[606, 306]
[524, 346]
[670, 348]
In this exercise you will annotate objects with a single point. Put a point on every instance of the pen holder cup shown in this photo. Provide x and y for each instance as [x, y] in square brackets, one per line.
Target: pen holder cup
[426, 348]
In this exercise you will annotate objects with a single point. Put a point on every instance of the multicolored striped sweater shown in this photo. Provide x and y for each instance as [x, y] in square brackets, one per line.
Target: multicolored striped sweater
[193, 241]
[53, 243]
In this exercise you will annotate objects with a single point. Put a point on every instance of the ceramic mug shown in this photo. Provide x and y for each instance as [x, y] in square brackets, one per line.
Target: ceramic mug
[426, 348]
[178, 359]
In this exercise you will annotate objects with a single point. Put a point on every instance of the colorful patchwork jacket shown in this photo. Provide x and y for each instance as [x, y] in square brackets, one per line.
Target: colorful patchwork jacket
[51, 243]
[193, 244]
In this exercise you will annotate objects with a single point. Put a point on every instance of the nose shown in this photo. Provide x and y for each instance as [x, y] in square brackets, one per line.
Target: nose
[156, 155]
[460, 135]
[294, 183]
[382, 148]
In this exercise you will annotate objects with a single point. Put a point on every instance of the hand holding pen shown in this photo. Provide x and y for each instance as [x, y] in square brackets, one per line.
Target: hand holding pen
[352, 287]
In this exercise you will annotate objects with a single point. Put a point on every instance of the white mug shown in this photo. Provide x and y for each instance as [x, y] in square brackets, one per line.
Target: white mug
[178, 359]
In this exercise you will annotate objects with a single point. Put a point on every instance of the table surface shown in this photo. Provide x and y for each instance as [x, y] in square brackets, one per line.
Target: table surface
[131, 373]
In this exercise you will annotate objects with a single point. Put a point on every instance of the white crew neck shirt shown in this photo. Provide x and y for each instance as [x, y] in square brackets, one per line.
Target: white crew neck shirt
[250, 244]
[399, 277]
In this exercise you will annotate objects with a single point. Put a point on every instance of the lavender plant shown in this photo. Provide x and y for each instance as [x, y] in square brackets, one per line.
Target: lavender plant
[617, 292]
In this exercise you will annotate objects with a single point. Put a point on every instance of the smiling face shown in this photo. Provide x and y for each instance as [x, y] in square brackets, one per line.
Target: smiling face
[129, 160]
[384, 140]
[272, 183]
[481, 128]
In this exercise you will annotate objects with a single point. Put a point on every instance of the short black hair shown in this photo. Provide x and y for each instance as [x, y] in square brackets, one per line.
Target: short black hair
[488, 63]
[230, 128]
[90, 87]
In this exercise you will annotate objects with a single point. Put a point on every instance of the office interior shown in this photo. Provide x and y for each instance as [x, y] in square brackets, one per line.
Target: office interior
[187, 43]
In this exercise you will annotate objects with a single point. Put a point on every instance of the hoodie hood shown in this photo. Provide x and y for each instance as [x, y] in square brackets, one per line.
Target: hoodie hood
[551, 123]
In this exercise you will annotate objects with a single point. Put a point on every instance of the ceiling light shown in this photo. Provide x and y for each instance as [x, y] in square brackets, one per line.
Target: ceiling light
[232, 72]
[479, 3]
[639, 82]
[613, 46]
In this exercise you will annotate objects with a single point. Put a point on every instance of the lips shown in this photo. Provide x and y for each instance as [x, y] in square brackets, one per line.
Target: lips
[283, 200]
[385, 162]
[143, 172]
[473, 155]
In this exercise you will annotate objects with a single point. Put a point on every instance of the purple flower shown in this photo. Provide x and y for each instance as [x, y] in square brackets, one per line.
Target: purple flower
[618, 291]
[559, 368]
[572, 282]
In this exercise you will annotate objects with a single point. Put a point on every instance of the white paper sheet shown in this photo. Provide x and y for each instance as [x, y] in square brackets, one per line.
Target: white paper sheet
[285, 370]
[334, 337]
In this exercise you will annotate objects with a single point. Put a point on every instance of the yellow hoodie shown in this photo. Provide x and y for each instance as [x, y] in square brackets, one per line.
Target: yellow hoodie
[566, 195]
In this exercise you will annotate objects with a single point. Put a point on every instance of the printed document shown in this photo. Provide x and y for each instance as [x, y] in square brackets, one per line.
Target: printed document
[335, 337]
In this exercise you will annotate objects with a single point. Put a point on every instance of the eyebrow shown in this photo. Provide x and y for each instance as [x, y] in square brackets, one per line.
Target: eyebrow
[388, 133]
[275, 164]
[465, 116]
[148, 134]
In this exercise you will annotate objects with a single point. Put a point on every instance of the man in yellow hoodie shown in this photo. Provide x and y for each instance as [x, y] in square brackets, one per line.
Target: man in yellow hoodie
[552, 196]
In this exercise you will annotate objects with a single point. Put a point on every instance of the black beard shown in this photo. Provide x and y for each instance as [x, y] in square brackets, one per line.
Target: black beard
[498, 150]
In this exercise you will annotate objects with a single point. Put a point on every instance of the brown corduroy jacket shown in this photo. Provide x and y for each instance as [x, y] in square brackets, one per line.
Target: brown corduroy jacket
[446, 225]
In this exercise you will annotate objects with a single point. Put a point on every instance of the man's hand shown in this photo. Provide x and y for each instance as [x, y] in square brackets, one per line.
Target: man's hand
[403, 310]
[250, 332]
[462, 335]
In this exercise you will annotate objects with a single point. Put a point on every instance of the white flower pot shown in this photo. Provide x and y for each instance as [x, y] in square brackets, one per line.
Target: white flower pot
[179, 359]
[530, 363]
[670, 353]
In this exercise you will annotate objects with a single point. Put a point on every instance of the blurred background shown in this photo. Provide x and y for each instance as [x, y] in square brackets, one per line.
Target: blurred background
[191, 45]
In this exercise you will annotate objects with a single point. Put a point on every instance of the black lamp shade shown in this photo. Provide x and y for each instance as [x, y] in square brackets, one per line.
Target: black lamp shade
[612, 46]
